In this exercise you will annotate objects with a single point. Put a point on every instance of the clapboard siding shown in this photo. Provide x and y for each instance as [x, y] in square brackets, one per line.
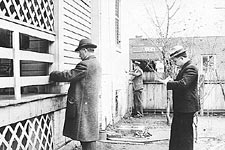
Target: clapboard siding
[71, 60]
[71, 54]
[76, 26]
[76, 29]
[69, 46]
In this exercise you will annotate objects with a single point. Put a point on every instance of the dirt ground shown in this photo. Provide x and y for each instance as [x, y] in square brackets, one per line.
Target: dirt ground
[210, 134]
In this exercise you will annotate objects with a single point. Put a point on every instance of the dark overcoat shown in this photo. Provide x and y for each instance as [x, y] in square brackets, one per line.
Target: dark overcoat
[185, 92]
[81, 120]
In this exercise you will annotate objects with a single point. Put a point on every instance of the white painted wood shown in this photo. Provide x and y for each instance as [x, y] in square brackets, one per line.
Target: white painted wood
[71, 54]
[77, 33]
[41, 57]
[86, 26]
[69, 66]
[31, 106]
[25, 29]
[58, 46]
[79, 6]
[34, 80]
[74, 15]
[6, 82]
[6, 53]
[70, 47]
[71, 60]
[16, 65]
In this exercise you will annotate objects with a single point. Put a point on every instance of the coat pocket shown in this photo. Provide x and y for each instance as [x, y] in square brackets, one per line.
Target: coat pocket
[71, 109]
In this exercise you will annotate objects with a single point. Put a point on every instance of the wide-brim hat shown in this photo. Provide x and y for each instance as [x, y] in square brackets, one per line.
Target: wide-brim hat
[177, 51]
[85, 43]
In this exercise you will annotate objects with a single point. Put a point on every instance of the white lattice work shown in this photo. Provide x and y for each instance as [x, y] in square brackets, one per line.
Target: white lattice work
[38, 13]
[32, 134]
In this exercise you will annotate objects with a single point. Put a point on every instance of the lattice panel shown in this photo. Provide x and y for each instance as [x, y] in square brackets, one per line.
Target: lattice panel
[32, 134]
[38, 13]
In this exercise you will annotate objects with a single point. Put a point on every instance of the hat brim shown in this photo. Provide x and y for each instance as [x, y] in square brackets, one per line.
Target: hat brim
[174, 55]
[85, 46]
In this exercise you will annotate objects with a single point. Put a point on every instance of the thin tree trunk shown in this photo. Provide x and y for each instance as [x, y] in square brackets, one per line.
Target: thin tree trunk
[168, 108]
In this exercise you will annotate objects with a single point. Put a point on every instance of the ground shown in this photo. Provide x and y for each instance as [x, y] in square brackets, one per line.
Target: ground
[155, 136]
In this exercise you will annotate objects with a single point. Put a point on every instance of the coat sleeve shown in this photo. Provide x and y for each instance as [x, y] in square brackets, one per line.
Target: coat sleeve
[189, 76]
[68, 76]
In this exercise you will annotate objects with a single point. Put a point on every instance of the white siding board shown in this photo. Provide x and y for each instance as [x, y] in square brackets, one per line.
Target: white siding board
[71, 54]
[74, 34]
[79, 18]
[70, 40]
[80, 25]
[79, 5]
[70, 46]
[71, 60]
[69, 66]
[76, 26]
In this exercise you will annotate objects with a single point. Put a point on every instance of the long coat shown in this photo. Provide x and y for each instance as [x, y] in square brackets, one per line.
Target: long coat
[185, 92]
[81, 119]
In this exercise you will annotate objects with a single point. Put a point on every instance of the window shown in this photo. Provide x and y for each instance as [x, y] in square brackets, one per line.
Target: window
[24, 67]
[209, 66]
[6, 38]
[26, 35]
[208, 63]
[117, 22]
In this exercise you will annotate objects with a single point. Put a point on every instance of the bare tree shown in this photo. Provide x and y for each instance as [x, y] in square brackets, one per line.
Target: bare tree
[163, 26]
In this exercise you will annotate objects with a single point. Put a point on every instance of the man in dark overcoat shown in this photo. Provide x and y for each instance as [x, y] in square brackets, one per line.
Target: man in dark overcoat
[81, 120]
[185, 100]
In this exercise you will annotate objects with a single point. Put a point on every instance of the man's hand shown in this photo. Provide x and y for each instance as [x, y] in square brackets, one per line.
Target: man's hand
[165, 80]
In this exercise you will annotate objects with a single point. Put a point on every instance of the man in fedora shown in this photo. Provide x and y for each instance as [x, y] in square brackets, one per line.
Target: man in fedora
[137, 78]
[185, 100]
[81, 120]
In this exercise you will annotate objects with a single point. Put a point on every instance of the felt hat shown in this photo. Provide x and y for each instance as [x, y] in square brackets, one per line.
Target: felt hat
[177, 51]
[85, 43]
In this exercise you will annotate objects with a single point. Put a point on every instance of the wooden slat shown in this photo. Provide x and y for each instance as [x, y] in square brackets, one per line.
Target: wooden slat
[6, 82]
[34, 80]
[78, 6]
[77, 33]
[26, 55]
[69, 66]
[70, 46]
[76, 26]
[71, 60]
[71, 54]
[6, 53]
[74, 15]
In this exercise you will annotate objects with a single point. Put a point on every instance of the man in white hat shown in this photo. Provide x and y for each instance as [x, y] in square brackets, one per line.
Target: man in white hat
[137, 79]
[81, 120]
[185, 100]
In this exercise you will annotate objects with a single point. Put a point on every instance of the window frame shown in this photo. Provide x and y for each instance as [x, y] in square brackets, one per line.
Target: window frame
[117, 23]
[210, 71]
[16, 55]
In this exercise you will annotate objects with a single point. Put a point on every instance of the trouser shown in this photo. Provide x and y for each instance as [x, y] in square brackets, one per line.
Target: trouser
[88, 145]
[181, 136]
[138, 107]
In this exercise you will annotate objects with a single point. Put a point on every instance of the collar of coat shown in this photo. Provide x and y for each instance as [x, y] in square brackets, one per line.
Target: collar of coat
[90, 57]
[186, 64]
